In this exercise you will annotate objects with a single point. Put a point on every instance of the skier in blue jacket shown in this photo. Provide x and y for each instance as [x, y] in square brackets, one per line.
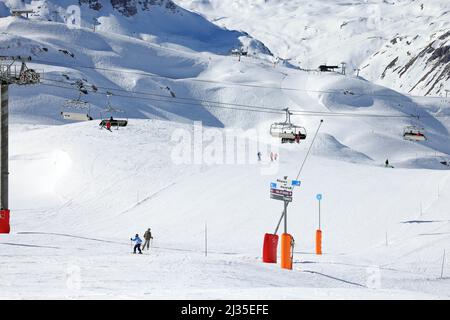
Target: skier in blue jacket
[137, 243]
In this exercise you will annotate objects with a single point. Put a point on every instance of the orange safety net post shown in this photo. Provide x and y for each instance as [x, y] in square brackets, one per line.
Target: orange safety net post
[4, 221]
[286, 251]
[270, 248]
[319, 242]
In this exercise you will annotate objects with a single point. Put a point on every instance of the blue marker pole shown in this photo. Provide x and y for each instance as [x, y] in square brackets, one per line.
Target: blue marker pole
[319, 217]
[319, 198]
[319, 231]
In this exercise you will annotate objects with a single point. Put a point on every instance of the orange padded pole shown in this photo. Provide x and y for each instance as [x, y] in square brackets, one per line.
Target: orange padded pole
[286, 251]
[319, 242]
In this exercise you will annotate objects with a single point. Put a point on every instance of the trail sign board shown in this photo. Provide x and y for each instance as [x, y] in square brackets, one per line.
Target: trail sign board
[280, 197]
[282, 189]
[296, 183]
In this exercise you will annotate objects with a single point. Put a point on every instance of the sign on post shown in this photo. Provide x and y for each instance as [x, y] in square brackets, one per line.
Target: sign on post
[282, 189]
[296, 183]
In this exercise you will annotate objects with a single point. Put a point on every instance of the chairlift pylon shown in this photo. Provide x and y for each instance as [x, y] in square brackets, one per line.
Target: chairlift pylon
[287, 131]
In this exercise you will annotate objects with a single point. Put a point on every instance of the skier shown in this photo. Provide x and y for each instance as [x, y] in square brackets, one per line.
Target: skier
[271, 156]
[259, 156]
[137, 243]
[387, 163]
[147, 237]
[108, 125]
[276, 156]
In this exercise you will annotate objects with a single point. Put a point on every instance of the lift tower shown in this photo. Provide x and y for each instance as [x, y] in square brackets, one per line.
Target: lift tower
[10, 73]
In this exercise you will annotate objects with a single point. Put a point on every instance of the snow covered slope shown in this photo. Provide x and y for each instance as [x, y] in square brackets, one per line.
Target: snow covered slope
[79, 192]
[157, 21]
[113, 62]
[368, 35]
[418, 65]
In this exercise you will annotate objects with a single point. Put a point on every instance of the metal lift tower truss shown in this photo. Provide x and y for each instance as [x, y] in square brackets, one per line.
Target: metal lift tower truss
[13, 70]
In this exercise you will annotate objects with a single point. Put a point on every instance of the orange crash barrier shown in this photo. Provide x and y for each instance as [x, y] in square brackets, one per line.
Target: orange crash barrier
[4, 221]
[270, 248]
[319, 242]
[287, 247]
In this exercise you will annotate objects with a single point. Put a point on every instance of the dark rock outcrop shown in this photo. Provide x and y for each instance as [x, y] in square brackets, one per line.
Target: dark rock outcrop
[93, 4]
[130, 7]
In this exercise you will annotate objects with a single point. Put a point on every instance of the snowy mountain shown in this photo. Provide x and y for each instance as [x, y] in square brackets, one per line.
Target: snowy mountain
[418, 68]
[197, 116]
[158, 49]
[165, 62]
[402, 44]
[157, 21]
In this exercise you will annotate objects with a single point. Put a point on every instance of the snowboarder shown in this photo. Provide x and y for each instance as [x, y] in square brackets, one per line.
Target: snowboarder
[259, 156]
[147, 237]
[137, 243]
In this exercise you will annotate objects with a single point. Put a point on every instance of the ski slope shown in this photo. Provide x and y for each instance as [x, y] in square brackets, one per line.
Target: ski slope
[78, 193]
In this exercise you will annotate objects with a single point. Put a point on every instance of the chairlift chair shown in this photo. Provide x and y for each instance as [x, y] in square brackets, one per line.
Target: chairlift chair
[414, 133]
[287, 131]
[445, 162]
[114, 122]
[76, 110]
[108, 116]
[75, 116]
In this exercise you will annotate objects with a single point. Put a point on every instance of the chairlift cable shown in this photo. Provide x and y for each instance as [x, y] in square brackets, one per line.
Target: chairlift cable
[179, 102]
[178, 98]
[253, 108]
[309, 149]
[295, 111]
[344, 92]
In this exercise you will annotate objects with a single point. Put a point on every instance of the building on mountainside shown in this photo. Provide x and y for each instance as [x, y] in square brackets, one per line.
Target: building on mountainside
[21, 13]
[239, 52]
[325, 68]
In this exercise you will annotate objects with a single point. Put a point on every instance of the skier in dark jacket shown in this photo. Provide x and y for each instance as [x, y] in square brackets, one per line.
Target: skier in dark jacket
[137, 243]
[147, 238]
